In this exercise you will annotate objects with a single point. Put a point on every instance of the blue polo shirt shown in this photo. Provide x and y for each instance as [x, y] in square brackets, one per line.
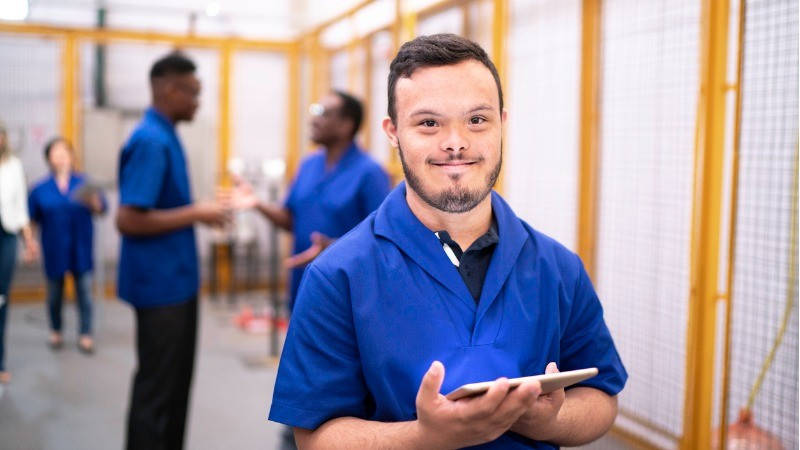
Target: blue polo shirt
[332, 201]
[384, 302]
[65, 224]
[162, 269]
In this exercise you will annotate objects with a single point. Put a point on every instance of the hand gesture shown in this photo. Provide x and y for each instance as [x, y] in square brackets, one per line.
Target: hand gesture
[319, 242]
[542, 412]
[215, 214]
[470, 421]
[242, 195]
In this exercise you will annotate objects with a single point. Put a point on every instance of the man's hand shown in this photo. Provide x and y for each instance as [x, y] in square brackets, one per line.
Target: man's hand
[444, 423]
[539, 419]
[242, 195]
[319, 242]
[95, 203]
[215, 214]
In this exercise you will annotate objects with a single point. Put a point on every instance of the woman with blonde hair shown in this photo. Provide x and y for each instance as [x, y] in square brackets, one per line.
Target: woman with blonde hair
[13, 221]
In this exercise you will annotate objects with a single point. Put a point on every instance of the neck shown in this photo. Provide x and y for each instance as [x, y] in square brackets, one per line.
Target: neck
[335, 150]
[62, 175]
[464, 228]
[161, 108]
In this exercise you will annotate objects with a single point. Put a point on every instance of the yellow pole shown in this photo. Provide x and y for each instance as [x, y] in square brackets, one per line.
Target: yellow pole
[293, 113]
[366, 129]
[69, 96]
[589, 149]
[224, 133]
[499, 27]
[404, 30]
[726, 379]
[710, 137]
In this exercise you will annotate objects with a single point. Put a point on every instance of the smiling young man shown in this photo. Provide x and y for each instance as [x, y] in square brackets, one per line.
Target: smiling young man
[445, 275]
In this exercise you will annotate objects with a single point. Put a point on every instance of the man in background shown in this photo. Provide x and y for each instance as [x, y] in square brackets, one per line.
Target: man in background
[158, 269]
[335, 188]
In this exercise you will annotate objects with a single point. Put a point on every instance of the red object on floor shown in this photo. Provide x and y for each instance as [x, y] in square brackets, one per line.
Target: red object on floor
[259, 323]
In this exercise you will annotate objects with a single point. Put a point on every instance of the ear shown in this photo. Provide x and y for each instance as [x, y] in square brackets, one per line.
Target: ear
[504, 115]
[391, 130]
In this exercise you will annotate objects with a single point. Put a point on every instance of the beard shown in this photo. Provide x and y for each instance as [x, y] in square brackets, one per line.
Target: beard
[454, 199]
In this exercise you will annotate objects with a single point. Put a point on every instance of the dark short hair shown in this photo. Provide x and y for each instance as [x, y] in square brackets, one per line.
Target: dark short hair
[432, 51]
[175, 63]
[52, 142]
[351, 109]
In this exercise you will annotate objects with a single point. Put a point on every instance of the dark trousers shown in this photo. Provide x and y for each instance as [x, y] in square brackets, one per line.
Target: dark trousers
[165, 343]
[8, 257]
[55, 299]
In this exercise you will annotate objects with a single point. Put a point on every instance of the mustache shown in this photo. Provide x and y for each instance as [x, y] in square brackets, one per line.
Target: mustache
[453, 157]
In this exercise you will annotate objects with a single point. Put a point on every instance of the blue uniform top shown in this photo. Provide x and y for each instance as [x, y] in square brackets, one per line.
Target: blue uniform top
[161, 269]
[65, 224]
[333, 201]
[384, 302]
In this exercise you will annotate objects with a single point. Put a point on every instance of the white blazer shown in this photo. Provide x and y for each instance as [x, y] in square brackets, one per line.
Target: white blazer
[13, 195]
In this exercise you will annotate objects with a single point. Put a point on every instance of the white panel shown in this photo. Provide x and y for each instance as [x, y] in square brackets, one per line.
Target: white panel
[543, 127]
[30, 98]
[450, 20]
[338, 74]
[650, 54]
[381, 57]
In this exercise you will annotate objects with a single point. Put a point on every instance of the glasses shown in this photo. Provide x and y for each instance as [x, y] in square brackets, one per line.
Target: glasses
[318, 110]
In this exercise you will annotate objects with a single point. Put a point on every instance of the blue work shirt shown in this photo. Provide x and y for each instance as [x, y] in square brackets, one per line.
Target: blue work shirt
[160, 269]
[65, 225]
[383, 302]
[333, 201]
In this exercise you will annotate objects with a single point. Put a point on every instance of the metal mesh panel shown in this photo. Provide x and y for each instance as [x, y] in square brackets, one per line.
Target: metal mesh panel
[381, 48]
[543, 102]
[451, 20]
[765, 289]
[649, 73]
[30, 89]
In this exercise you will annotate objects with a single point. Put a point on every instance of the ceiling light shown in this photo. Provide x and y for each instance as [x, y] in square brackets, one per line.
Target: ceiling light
[212, 10]
[13, 9]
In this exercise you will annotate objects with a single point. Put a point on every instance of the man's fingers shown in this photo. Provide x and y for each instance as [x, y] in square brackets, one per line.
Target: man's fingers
[551, 368]
[303, 257]
[431, 384]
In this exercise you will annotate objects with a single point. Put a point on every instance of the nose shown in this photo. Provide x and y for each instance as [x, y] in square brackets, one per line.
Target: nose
[455, 140]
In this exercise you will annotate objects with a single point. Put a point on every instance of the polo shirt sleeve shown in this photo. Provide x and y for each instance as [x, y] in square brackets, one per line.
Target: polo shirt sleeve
[586, 341]
[320, 375]
[374, 189]
[142, 174]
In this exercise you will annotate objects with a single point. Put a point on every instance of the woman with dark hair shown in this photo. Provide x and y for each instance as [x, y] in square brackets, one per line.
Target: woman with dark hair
[13, 221]
[62, 204]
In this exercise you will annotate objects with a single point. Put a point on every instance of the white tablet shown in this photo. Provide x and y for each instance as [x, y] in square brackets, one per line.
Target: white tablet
[550, 382]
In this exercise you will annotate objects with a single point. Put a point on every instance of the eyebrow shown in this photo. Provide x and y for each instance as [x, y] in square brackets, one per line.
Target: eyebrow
[429, 112]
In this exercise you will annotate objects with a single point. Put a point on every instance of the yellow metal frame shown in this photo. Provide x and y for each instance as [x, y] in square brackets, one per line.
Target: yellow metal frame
[224, 129]
[737, 138]
[499, 28]
[705, 242]
[588, 185]
[69, 95]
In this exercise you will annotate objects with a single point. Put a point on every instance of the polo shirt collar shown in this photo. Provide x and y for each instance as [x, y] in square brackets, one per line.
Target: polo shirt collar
[395, 222]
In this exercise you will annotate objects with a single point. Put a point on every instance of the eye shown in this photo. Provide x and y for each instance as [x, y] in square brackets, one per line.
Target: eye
[476, 120]
[428, 123]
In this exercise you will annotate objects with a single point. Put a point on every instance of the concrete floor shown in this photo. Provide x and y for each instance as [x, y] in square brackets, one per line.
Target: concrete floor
[65, 400]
